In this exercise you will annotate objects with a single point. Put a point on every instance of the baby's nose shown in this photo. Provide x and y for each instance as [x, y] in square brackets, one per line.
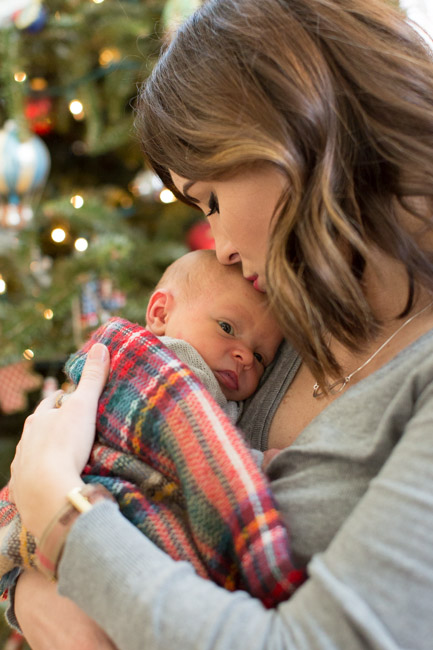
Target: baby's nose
[244, 355]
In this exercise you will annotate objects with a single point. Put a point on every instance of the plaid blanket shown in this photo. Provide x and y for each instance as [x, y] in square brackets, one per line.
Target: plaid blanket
[180, 471]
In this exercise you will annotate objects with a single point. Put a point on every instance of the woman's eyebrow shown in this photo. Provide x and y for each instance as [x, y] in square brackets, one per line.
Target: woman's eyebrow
[185, 189]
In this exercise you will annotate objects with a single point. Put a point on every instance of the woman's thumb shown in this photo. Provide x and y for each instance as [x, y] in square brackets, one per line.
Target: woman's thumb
[95, 371]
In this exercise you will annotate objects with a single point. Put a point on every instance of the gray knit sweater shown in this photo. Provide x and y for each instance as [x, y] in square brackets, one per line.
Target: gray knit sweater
[356, 489]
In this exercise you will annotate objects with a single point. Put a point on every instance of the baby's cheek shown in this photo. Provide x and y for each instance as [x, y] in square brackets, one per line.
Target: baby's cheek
[260, 371]
[255, 378]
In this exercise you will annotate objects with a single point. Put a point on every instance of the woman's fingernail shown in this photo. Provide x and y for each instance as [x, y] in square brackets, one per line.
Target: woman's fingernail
[98, 352]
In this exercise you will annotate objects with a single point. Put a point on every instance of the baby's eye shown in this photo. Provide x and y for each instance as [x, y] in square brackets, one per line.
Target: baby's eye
[259, 357]
[213, 205]
[226, 327]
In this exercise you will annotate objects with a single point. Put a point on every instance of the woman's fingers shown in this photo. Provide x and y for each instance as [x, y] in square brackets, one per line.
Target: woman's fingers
[49, 402]
[93, 378]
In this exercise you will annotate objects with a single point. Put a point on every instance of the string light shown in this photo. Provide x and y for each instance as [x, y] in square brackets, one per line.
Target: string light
[3, 285]
[109, 55]
[167, 196]
[77, 201]
[48, 314]
[20, 76]
[58, 235]
[38, 83]
[81, 244]
[97, 2]
[28, 354]
[77, 109]
[75, 106]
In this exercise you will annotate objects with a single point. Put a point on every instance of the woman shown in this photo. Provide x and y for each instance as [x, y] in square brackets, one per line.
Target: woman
[304, 130]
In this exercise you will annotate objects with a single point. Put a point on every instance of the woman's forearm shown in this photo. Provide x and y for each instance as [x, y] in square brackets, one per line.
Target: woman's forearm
[49, 620]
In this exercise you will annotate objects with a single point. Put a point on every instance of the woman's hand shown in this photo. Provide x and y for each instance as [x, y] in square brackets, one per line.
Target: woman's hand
[50, 621]
[55, 446]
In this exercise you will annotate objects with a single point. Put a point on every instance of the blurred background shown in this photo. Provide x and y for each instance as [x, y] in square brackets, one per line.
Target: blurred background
[85, 229]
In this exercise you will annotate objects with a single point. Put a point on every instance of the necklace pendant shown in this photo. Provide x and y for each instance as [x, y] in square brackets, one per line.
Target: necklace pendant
[333, 389]
[338, 385]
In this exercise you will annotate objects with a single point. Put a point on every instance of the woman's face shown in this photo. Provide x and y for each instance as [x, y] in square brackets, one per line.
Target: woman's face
[239, 211]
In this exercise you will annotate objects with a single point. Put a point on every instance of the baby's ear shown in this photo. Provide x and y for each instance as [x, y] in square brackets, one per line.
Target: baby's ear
[158, 309]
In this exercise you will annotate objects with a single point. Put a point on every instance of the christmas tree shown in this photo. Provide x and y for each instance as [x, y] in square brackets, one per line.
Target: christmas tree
[85, 229]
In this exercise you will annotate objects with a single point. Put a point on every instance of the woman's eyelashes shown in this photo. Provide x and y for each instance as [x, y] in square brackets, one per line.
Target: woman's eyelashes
[212, 205]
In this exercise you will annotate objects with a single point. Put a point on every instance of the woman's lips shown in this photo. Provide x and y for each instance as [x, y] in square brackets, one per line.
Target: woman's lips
[228, 378]
[256, 286]
[255, 280]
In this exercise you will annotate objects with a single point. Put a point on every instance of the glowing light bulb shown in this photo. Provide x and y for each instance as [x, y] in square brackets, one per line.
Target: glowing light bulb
[76, 107]
[20, 76]
[3, 285]
[81, 244]
[58, 235]
[38, 83]
[167, 196]
[28, 354]
[97, 2]
[77, 201]
[109, 55]
[48, 314]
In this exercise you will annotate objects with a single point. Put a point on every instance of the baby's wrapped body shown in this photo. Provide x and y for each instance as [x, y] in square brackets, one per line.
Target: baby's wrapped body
[179, 470]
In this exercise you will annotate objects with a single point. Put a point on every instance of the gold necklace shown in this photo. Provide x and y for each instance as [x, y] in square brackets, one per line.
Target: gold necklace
[340, 384]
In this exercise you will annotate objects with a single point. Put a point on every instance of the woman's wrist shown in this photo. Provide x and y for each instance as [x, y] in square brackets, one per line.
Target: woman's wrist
[49, 500]
[50, 546]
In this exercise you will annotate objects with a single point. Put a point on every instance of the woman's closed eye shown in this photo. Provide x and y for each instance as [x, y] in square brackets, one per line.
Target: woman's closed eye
[213, 205]
[226, 327]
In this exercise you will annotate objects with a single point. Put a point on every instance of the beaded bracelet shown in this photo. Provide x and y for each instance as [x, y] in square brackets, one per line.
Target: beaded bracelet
[50, 548]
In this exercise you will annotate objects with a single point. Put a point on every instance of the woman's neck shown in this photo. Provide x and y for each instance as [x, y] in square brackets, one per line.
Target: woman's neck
[387, 288]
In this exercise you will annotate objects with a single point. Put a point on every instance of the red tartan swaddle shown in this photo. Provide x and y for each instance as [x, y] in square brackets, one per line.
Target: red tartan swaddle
[179, 470]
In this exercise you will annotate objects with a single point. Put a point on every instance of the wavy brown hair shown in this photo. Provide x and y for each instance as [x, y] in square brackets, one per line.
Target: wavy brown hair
[338, 94]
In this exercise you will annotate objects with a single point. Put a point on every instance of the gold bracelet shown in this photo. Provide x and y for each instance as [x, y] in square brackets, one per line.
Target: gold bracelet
[50, 548]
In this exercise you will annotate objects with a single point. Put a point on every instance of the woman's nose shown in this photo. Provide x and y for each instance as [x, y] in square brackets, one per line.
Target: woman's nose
[225, 252]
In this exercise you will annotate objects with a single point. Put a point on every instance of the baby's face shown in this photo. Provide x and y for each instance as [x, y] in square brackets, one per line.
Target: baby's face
[229, 325]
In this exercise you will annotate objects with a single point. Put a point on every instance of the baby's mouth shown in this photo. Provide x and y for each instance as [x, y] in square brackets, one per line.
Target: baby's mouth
[228, 378]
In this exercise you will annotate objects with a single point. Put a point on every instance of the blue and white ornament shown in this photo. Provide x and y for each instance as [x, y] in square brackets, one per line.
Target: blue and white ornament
[32, 18]
[24, 167]
[24, 14]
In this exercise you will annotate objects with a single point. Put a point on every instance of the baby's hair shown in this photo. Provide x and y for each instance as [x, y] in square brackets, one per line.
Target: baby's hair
[182, 272]
[199, 271]
[195, 272]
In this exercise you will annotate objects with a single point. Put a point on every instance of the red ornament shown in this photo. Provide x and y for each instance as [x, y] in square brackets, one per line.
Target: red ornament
[38, 112]
[199, 237]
